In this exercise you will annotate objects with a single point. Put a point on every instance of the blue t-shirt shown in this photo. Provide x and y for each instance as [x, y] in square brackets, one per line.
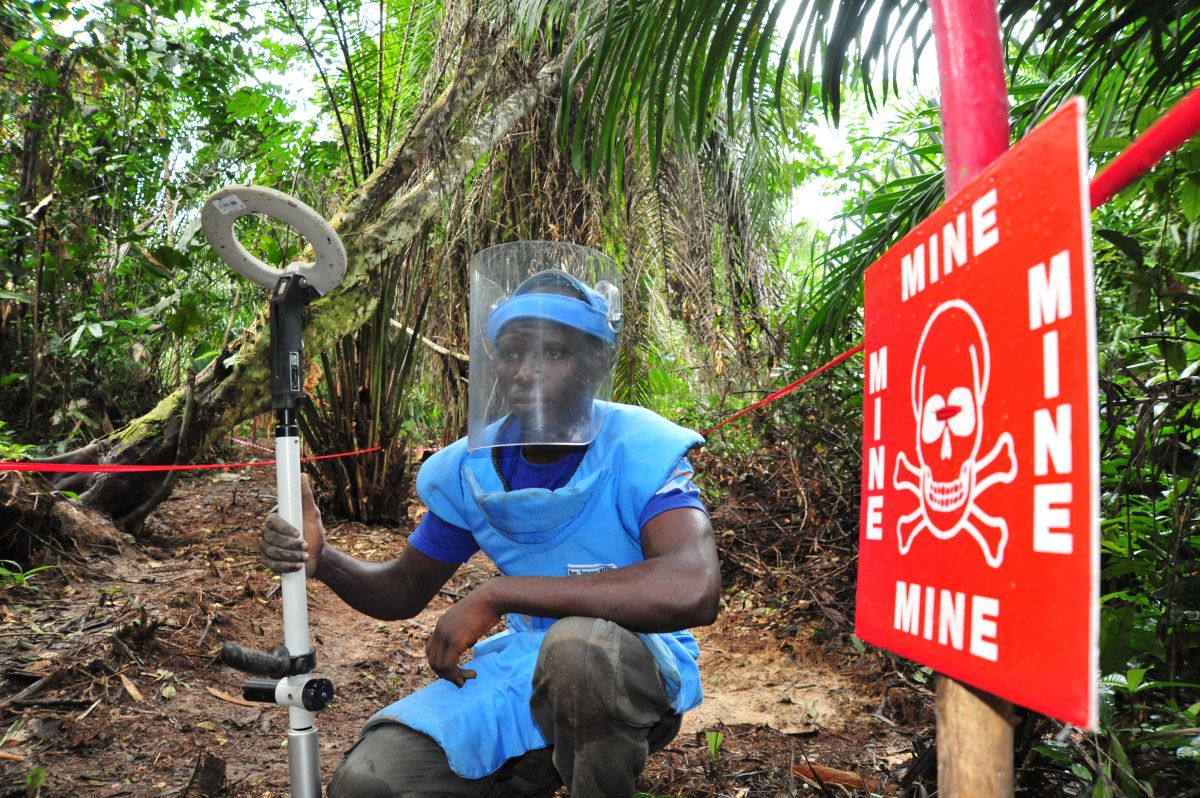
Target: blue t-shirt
[447, 543]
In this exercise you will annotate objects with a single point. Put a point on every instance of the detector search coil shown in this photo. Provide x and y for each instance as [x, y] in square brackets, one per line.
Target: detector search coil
[226, 206]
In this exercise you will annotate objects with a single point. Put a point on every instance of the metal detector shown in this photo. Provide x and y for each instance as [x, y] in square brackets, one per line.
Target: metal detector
[288, 668]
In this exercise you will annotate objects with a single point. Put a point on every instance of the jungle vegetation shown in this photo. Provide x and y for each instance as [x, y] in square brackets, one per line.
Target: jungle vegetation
[673, 134]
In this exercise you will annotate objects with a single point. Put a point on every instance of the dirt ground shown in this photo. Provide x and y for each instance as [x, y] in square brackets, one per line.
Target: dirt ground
[112, 687]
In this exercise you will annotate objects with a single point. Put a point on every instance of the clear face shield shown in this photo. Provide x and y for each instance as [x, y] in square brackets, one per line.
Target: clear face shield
[544, 323]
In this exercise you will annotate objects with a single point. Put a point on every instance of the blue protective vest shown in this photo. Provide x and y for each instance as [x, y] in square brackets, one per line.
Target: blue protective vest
[589, 524]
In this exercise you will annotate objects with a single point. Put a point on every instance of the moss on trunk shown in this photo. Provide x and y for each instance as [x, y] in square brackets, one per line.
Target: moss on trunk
[376, 222]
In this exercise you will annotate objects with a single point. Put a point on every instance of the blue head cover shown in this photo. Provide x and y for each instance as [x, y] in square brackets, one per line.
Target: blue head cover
[592, 314]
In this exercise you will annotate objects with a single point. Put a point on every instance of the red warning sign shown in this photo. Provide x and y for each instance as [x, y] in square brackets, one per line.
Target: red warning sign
[978, 543]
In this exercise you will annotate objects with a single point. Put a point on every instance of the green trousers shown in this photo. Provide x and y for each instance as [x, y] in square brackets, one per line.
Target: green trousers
[598, 699]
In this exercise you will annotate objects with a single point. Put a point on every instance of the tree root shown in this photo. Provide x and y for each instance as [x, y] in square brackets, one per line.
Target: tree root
[134, 521]
[30, 518]
[89, 453]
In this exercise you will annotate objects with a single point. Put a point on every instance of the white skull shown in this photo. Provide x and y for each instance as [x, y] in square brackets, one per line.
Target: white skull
[950, 378]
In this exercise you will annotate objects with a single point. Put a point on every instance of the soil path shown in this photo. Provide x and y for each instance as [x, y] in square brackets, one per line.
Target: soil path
[136, 704]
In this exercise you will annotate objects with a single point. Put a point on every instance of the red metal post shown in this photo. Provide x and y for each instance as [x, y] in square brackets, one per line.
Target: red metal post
[974, 94]
[974, 729]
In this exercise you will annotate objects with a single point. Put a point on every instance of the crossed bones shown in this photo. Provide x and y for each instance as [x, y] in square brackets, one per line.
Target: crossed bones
[997, 466]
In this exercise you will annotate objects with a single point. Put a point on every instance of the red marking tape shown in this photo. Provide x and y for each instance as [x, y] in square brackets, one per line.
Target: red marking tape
[250, 444]
[785, 390]
[85, 468]
[1172, 130]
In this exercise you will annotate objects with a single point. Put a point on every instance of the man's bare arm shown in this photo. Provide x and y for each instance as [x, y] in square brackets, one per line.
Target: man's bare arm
[389, 591]
[676, 587]
[398, 588]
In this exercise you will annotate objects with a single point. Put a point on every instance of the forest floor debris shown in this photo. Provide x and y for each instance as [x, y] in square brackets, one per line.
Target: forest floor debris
[112, 687]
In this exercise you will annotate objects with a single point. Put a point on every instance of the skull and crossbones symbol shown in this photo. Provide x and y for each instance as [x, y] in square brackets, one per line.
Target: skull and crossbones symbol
[949, 384]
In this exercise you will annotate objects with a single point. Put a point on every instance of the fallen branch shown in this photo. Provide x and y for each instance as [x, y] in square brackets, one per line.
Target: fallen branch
[41, 684]
[232, 699]
[434, 345]
[132, 689]
[204, 634]
[826, 775]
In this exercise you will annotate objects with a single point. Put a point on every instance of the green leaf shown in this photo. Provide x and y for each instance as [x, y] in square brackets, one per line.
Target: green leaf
[47, 76]
[126, 10]
[247, 103]
[203, 355]
[20, 51]
[715, 738]
[1082, 772]
[1124, 770]
[186, 318]
[1109, 144]
[1129, 246]
[1053, 753]
[1189, 198]
[156, 269]
[1123, 637]
[1133, 678]
[35, 779]
[172, 258]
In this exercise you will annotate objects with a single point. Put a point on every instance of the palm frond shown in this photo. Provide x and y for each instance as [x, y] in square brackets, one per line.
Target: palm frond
[1125, 57]
[670, 65]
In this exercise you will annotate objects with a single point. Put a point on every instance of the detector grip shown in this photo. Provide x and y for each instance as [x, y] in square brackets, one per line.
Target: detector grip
[276, 663]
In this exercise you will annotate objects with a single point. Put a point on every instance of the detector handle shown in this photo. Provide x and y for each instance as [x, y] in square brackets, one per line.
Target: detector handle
[291, 289]
[276, 663]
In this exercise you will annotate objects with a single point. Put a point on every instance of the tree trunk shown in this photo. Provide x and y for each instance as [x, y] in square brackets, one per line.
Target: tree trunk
[377, 220]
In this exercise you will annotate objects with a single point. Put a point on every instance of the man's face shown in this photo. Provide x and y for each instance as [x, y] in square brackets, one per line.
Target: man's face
[547, 375]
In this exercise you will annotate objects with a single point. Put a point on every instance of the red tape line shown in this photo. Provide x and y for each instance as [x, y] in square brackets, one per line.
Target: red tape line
[1174, 128]
[249, 444]
[84, 468]
[1170, 131]
[786, 389]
